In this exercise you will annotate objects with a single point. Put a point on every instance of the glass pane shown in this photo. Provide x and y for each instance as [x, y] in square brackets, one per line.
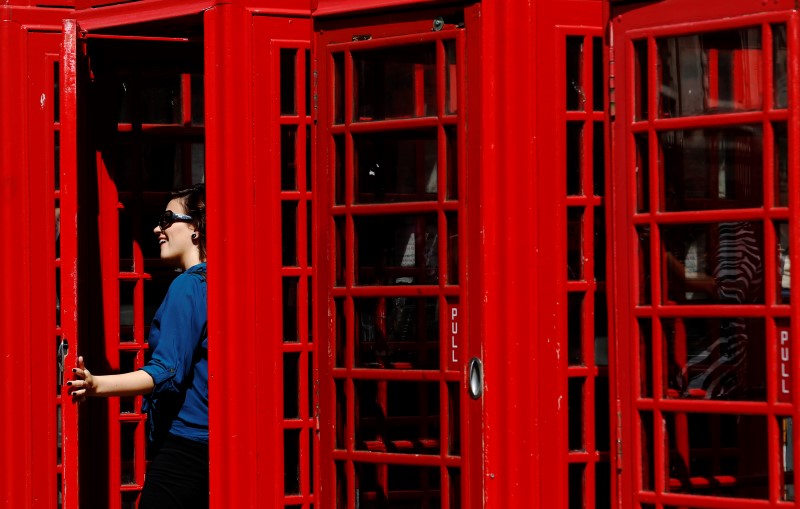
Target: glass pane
[455, 487]
[574, 157]
[397, 249]
[779, 66]
[713, 263]
[710, 73]
[599, 245]
[57, 159]
[288, 81]
[338, 87]
[600, 329]
[291, 385]
[715, 358]
[781, 148]
[399, 417]
[340, 253]
[597, 73]
[380, 486]
[575, 413]
[642, 173]
[577, 485]
[602, 414]
[288, 157]
[784, 283]
[396, 166]
[575, 327]
[645, 357]
[127, 456]
[126, 303]
[576, 98]
[643, 273]
[454, 418]
[290, 308]
[339, 169]
[125, 241]
[307, 80]
[717, 455]
[574, 243]
[648, 450]
[396, 82]
[341, 332]
[291, 461]
[56, 92]
[451, 134]
[598, 158]
[787, 458]
[450, 78]
[289, 233]
[397, 332]
[641, 88]
[452, 248]
[198, 99]
[161, 99]
[712, 168]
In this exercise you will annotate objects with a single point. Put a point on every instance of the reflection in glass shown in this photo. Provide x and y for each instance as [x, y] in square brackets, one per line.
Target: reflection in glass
[779, 67]
[710, 73]
[396, 82]
[452, 248]
[703, 449]
[781, 149]
[713, 263]
[198, 99]
[715, 358]
[597, 73]
[784, 283]
[397, 249]
[787, 458]
[600, 329]
[400, 417]
[161, 99]
[397, 166]
[454, 418]
[397, 332]
[451, 135]
[127, 431]
[712, 168]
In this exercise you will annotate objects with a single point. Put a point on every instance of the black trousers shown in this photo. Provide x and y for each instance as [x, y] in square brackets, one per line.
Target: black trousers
[177, 477]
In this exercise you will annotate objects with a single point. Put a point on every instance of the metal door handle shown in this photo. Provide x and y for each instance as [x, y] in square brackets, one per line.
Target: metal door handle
[61, 355]
[475, 372]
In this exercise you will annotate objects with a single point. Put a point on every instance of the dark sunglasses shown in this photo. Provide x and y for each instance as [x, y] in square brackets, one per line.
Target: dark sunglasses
[169, 217]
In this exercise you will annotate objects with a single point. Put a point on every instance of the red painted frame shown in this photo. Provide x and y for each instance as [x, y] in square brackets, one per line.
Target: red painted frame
[678, 17]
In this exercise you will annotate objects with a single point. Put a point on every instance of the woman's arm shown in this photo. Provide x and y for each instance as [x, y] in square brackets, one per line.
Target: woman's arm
[125, 384]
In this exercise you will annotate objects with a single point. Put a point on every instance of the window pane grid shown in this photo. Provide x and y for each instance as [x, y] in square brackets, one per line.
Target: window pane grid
[717, 185]
[589, 485]
[299, 360]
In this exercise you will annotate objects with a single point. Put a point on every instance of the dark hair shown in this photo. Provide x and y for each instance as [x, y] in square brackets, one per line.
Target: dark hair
[193, 200]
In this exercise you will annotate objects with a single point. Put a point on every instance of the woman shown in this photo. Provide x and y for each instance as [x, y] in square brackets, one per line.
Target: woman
[175, 381]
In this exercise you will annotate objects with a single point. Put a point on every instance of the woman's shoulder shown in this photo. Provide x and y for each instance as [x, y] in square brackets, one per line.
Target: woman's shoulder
[191, 280]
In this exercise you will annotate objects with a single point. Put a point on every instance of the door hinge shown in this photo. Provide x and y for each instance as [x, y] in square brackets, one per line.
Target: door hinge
[612, 87]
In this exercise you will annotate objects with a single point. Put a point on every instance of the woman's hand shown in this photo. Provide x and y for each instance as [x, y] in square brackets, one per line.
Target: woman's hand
[83, 385]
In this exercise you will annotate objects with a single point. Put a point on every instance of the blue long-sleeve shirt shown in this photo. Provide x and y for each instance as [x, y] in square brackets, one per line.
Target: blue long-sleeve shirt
[179, 360]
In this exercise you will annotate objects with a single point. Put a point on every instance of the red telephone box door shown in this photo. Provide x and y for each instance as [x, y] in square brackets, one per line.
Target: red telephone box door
[705, 232]
[401, 384]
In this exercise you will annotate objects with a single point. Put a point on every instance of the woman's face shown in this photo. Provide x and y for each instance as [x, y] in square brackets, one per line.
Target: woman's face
[175, 240]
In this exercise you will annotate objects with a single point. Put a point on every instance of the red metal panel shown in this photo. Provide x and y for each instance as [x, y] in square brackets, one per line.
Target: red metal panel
[509, 256]
[235, 363]
[15, 270]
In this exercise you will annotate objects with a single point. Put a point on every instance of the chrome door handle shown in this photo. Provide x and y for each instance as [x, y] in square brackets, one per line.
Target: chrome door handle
[475, 372]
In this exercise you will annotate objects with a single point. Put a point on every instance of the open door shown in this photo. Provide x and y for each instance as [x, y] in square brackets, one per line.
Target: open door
[132, 104]
[705, 221]
[401, 378]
